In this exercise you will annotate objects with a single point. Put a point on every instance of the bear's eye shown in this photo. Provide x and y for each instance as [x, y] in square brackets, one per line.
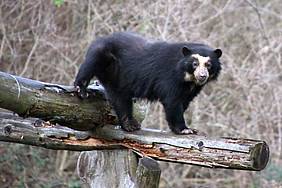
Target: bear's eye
[208, 64]
[195, 64]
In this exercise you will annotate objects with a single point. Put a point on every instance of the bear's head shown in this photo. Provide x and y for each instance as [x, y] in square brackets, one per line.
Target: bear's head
[201, 63]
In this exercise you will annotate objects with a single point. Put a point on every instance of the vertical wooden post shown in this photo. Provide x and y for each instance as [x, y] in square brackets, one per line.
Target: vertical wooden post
[117, 169]
[148, 173]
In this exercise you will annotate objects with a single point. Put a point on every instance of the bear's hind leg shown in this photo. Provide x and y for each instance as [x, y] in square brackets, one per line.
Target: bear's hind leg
[99, 62]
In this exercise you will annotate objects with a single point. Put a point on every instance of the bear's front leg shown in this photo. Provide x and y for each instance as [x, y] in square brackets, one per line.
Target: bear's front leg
[123, 108]
[83, 78]
[175, 119]
[130, 124]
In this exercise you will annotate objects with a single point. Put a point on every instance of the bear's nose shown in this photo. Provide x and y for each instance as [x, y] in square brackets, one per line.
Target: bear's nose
[203, 77]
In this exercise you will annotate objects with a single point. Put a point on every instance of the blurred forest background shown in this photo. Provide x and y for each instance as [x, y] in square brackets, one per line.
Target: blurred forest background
[47, 40]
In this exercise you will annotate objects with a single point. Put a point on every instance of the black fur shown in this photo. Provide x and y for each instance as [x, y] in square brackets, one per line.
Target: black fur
[129, 67]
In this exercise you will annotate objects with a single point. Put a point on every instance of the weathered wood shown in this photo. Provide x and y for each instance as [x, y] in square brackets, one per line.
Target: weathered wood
[107, 168]
[32, 131]
[148, 173]
[233, 153]
[54, 103]
[117, 168]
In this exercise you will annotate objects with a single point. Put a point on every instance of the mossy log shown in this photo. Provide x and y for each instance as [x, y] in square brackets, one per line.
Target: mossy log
[55, 103]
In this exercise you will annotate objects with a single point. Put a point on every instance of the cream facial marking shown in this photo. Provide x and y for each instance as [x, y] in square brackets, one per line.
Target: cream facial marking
[201, 72]
[188, 77]
[201, 59]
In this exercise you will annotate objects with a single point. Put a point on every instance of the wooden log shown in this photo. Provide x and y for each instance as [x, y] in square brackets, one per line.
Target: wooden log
[55, 103]
[232, 153]
[107, 168]
[117, 168]
[148, 173]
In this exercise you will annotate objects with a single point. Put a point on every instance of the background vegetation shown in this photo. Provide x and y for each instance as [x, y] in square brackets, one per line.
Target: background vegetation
[47, 40]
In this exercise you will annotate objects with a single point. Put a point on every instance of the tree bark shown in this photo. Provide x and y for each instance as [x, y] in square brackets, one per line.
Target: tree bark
[55, 103]
[148, 173]
[117, 168]
[107, 168]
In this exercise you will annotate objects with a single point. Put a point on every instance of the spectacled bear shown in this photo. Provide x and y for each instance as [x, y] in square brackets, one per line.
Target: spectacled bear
[129, 66]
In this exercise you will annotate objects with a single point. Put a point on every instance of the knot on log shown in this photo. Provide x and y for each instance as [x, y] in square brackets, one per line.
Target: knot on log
[7, 129]
[200, 145]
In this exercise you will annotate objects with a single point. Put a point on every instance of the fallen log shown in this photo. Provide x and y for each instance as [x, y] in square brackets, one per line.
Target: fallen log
[233, 153]
[57, 104]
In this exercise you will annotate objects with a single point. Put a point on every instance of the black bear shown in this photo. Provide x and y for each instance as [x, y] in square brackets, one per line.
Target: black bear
[129, 66]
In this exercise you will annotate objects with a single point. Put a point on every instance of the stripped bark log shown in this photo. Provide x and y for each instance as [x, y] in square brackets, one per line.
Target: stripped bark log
[97, 169]
[107, 168]
[233, 153]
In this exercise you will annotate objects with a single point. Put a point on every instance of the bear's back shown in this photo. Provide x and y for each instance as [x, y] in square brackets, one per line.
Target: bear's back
[126, 41]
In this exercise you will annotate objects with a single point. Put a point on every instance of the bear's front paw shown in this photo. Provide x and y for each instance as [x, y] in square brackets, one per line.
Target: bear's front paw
[189, 131]
[130, 125]
[184, 130]
[81, 92]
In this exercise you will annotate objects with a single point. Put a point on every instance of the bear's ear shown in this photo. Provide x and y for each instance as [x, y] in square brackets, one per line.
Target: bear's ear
[186, 51]
[218, 53]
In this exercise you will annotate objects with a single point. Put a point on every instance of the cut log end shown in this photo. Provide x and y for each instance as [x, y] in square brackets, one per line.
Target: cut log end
[260, 155]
